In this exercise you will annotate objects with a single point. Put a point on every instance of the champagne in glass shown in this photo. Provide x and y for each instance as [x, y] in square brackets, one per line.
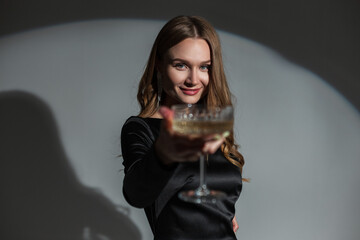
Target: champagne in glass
[201, 127]
[199, 120]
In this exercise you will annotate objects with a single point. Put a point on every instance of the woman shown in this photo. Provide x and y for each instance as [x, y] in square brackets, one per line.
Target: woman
[185, 66]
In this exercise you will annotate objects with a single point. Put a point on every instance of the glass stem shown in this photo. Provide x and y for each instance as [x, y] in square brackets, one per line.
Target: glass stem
[202, 173]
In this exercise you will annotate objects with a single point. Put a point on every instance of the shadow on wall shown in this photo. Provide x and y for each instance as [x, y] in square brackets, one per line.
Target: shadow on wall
[41, 198]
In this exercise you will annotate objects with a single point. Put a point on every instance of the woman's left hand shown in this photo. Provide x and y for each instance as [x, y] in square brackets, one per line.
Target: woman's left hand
[235, 224]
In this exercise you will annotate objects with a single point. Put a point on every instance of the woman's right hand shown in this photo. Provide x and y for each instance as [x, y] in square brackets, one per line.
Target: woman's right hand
[172, 147]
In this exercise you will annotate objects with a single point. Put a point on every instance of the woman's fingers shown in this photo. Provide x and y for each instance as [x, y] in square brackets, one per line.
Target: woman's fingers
[214, 142]
[235, 224]
[168, 116]
[212, 147]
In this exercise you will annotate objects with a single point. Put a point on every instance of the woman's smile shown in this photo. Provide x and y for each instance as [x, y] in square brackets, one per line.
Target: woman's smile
[190, 91]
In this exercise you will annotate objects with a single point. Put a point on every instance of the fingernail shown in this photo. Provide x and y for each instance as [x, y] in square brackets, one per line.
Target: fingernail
[226, 134]
[217, 137]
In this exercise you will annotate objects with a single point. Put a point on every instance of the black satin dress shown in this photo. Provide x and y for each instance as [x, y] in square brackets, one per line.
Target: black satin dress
[150, 185]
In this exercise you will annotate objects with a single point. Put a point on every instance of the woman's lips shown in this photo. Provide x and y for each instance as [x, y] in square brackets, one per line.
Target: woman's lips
[189, 91]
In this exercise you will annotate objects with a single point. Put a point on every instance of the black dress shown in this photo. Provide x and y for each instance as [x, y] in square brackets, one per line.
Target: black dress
[153, 186]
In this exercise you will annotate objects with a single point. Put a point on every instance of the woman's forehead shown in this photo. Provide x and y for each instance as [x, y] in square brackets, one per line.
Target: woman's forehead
[191, 49]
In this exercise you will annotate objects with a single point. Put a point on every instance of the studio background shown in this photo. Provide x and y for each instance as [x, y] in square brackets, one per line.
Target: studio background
[68, 80]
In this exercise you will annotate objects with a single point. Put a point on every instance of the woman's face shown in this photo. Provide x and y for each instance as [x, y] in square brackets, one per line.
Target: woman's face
[185, 71]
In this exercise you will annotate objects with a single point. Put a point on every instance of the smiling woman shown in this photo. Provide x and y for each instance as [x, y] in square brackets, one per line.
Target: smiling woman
[184, 67]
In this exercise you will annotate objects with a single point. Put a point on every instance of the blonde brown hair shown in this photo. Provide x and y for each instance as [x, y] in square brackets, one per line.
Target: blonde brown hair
[218, 93]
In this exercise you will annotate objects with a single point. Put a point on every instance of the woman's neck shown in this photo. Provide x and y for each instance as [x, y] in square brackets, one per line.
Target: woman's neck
[156, 115]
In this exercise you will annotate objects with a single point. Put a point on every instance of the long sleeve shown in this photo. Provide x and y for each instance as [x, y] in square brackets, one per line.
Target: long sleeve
[145, 176]
[150, 185]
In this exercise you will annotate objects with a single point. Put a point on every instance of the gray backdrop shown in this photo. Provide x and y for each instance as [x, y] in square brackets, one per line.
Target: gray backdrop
[298, 126]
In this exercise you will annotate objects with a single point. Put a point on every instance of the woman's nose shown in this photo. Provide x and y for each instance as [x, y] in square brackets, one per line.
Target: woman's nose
[193, 77]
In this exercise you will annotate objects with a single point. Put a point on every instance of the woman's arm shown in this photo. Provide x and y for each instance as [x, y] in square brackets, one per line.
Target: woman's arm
[149, 162]
[145, 175]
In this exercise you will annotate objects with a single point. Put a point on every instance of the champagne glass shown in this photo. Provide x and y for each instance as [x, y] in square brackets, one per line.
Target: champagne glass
[199, 120]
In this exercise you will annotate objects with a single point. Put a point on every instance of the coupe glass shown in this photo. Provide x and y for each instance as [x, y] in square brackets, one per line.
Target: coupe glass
[199, 120]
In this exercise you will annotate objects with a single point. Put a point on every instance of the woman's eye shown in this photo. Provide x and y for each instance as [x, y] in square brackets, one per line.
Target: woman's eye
[180, 66]
[205, 67]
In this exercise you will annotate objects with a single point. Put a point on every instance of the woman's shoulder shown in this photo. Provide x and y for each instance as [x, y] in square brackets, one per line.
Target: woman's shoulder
[142, 120]
[136, 123]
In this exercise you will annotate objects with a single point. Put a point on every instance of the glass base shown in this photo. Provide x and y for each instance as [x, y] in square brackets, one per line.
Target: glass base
[201, 195]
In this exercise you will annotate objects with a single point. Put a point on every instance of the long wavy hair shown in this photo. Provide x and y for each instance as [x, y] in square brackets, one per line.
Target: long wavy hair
[218, 93]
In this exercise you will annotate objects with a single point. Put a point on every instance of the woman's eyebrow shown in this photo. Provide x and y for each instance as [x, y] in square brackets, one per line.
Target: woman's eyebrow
[187, 62]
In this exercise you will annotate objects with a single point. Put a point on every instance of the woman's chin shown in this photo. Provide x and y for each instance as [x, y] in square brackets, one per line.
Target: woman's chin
[182, 99]
[190, 100]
